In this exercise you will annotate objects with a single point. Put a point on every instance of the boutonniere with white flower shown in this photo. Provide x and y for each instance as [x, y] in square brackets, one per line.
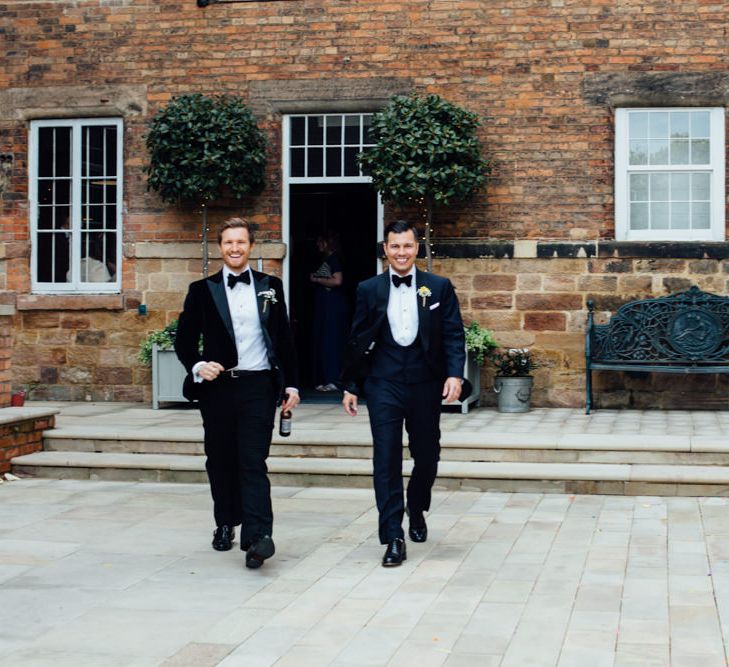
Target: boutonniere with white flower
[269, 296]
[424, 293]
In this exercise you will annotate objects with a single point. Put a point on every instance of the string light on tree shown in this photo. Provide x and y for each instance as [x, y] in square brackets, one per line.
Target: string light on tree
[426, 151]
[201, 147]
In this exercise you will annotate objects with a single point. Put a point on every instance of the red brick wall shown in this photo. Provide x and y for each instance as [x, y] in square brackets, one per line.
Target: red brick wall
[522, 65]
[543, 76]
[22, 437]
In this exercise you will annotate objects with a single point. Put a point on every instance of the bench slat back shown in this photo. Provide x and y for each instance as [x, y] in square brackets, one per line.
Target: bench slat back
[690, 327]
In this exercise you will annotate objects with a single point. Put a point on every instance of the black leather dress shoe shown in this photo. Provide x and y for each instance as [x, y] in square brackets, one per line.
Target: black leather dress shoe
[395, 554]
[418, 530]
[260, 550]
[223, 538]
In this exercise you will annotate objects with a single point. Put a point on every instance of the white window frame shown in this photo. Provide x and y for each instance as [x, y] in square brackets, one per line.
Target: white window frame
[716, 169]
[289, 180]
[75, 286]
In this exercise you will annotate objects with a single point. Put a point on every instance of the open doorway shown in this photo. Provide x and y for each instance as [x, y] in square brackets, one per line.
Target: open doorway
[349, 211]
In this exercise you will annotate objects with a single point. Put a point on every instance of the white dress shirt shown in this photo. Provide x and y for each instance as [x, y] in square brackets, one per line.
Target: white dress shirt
[249, 342]
[402, 311]
[243, 306]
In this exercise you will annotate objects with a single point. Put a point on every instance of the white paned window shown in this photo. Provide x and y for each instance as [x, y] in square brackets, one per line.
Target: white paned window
[669, 174]
[324, 147]
[75, 193]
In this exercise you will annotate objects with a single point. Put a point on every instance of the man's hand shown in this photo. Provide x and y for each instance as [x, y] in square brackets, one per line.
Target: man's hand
[210, 370]
[350, 404]
[452, 389]
[292, 400]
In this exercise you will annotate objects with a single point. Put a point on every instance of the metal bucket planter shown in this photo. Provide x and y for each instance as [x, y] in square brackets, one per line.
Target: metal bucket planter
[514, 393]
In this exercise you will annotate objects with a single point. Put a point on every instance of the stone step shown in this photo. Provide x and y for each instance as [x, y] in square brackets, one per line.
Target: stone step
[603, 478]
[485, 447]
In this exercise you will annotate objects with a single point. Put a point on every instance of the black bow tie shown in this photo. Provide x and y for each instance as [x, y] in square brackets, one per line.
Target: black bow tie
[398, 280]
[244, 277]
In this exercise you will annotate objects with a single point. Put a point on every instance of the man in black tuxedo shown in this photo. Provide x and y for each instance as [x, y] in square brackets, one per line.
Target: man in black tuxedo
[407, 352]
[246, 367]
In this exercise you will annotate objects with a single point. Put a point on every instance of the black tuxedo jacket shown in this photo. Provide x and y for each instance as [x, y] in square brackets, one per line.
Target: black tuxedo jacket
[206, 314]
[440, 327]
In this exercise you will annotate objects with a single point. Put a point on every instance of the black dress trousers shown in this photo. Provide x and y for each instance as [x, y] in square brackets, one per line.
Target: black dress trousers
[391, 403]
[238, 418]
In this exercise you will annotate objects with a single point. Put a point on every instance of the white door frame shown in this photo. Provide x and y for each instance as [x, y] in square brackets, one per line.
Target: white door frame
[289, 180]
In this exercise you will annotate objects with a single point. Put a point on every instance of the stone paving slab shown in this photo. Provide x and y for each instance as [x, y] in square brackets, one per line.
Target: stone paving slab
[102, 574]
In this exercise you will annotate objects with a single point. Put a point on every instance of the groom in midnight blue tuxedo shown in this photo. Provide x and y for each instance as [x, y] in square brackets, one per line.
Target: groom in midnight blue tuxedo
[406, 352]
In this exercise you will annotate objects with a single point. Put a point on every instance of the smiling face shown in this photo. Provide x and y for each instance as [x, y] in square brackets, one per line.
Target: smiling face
[401, 251]
[235, 248]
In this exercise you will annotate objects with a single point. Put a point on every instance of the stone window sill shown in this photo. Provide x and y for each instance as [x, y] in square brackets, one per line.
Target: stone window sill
[70, 302]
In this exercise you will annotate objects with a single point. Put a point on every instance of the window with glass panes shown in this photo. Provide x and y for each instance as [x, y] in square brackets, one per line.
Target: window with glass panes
[325, 146]
[669, 174]
[75, 204]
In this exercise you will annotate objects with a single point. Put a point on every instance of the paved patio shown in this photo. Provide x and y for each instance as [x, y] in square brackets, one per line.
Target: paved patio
[106, 574]
[109, 574]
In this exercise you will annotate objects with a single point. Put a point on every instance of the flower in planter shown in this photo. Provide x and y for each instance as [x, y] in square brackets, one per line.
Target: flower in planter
[165, 339]
[479, 342]
[514, 362]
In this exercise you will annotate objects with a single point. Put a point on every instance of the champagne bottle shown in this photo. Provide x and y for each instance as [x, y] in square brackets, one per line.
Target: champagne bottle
[284, 423]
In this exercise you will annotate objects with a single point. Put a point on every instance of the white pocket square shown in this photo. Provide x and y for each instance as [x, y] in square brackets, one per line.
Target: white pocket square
[435, 305]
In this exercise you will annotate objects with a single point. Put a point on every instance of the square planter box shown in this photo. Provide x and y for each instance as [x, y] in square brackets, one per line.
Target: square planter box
[168, 374]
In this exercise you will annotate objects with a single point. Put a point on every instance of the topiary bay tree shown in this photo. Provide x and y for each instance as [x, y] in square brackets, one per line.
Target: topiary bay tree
[203, 147]
[426, 153]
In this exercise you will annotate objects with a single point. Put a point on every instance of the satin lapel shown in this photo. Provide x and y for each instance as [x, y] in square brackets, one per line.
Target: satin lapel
[383, 295]
[217, 291]
[264, 305]
[423, 309]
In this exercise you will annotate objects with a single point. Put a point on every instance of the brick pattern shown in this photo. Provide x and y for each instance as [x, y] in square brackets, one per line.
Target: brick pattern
[521, 65]
[539, 303]
[546, 311]
[5, 359]
[527, 67]
[22, 437]
[91, 355]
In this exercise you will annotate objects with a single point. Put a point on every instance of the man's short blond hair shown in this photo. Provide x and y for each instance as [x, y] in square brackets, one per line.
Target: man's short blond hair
[236, 223]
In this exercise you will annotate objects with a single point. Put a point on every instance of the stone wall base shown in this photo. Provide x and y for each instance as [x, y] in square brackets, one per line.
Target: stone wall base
[531, 294]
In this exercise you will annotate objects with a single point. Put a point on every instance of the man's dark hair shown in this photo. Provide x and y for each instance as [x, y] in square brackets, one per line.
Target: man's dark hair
[400, 227]
[236, 223]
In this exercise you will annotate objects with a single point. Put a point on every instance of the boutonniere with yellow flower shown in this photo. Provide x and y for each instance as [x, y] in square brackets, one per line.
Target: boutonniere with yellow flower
[424, 293]
[269, 296]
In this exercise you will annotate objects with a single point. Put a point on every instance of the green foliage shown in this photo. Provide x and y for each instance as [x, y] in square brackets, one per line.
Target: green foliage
[199, 145]
[514, 362]
[165, 339]
[479, 341]
[426, 149]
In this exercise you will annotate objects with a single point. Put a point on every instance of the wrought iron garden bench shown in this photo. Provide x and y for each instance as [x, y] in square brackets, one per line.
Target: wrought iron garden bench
[687, 332]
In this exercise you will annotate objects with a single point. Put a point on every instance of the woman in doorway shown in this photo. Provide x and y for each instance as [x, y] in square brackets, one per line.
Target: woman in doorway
[330, 314]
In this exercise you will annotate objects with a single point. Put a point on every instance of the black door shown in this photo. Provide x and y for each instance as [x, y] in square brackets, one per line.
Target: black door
[348, 209]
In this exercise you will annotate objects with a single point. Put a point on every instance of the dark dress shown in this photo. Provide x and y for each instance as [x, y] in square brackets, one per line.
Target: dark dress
[330, 325]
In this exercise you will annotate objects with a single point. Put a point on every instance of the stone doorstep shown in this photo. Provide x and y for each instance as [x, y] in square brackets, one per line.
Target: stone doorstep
[625, 473]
